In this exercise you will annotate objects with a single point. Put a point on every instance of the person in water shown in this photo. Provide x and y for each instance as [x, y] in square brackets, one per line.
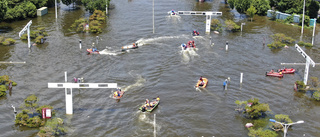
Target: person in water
[193, 44]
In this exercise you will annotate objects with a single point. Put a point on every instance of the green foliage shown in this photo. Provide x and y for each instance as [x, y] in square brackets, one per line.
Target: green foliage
[53, 127]
[301, 86]
[261, 133]
[91, 5]
[3, 8]
[242, 5]
[280, 40]
[257, 109]
[313, 9]
[316, 95]
[39, 3]
[31, 102]
[306, 20]
[273, 15]
[4, 81]
[30, 9]
[38, 39]
[231, 3]
[216, 25]
[3, 90]
[314, 81]
[289, 19]
[262, 6]
[302, 43]
[280, 118]
[231, 26]
[240, 105]
[8, 41]
[98, 15]
[66, 2]
[251, 11]
[79, 25]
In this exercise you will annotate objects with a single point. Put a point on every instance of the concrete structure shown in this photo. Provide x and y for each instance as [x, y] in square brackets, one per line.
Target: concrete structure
[42, 11]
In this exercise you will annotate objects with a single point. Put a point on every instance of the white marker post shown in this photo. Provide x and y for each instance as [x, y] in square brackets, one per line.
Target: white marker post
[227, 46]
[207, 13]
[241, 76]
[154, 125]
[55, 5]
[27, 27]
[68, 90]
[80, 44]
[314, 29]
[308, 61]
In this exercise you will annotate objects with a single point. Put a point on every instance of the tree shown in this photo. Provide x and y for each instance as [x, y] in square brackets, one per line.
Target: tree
[242, 5]
[216, 25]
[30, 9]
[313, 9]
[256, 109]
[262, 6]
[3, 9]
[53, 127]
[31, 102]
[95, 5]
[231, 26]
[39, 3]
[231, 3]
[66, 2]
[280, 118]
[251, 11]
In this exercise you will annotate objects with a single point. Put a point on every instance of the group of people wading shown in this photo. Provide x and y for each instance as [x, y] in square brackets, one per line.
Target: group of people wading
[189, 45]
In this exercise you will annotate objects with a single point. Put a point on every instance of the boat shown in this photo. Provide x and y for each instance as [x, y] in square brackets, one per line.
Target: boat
[124, 48]
[154, 103]
[205, 80]
[92, 52]
[172, 13]
[287, 70]
[274, 74]
[118, 97]
[195, 33]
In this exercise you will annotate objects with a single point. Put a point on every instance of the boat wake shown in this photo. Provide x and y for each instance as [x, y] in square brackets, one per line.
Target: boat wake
[139, 83]
[142, 41]
[109, 52]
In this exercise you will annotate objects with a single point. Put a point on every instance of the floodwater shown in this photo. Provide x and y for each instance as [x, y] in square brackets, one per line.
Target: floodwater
[158, 68]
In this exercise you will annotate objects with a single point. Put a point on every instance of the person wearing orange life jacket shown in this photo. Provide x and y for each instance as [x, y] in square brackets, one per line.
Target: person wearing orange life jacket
[193, 44]
[147, 102]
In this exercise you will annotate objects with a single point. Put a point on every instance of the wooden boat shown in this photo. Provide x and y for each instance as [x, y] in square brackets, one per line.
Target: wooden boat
[153, 104]
[287, 70]
[92, 52]
[274, 74]
[115, 96]
[205, 80]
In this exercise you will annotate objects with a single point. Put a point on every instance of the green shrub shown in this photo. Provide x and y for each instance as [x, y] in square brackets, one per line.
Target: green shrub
[316, 95]
[289, 19]
[232, 26]
[38, 39]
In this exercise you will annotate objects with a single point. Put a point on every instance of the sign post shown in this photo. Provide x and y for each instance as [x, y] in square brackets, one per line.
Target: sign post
[308, 61]
[27, 27]
[68, 90]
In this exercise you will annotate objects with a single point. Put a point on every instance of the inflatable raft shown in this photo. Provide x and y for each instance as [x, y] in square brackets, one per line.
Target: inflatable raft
[124, 48]
[91, 52]
[205, 80]
[115, 96]
[153, 104]
[287, 70]
[274, 74]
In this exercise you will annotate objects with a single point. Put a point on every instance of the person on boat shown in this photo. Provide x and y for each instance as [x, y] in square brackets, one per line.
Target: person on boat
[201, 81]
[115, 94]
[172, 12]
[158, 98]
[134, 44]
[195, 33]
[280, 73]
[118, 92]
[272, 71]
[147, 102]
[184, 46]
[144, 108]
[193, 44]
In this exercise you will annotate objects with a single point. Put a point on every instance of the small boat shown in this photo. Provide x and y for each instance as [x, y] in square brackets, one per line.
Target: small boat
[153, 104]
[172, 13]
[92, 52]
[205, 80]
[287, 70]
[195, 33]
[124, 48]
[115, 96]
[274, 74]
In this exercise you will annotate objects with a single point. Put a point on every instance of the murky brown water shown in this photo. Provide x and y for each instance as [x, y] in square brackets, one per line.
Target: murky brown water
[158, 68]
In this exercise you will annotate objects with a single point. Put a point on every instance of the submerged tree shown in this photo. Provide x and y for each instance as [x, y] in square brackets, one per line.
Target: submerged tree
[280, 40]
[254, 109]
[261, 133]
[231, 26]
[251, 11]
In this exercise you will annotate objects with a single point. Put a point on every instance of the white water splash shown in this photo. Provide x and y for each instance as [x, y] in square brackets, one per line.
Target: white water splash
[108, 52]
